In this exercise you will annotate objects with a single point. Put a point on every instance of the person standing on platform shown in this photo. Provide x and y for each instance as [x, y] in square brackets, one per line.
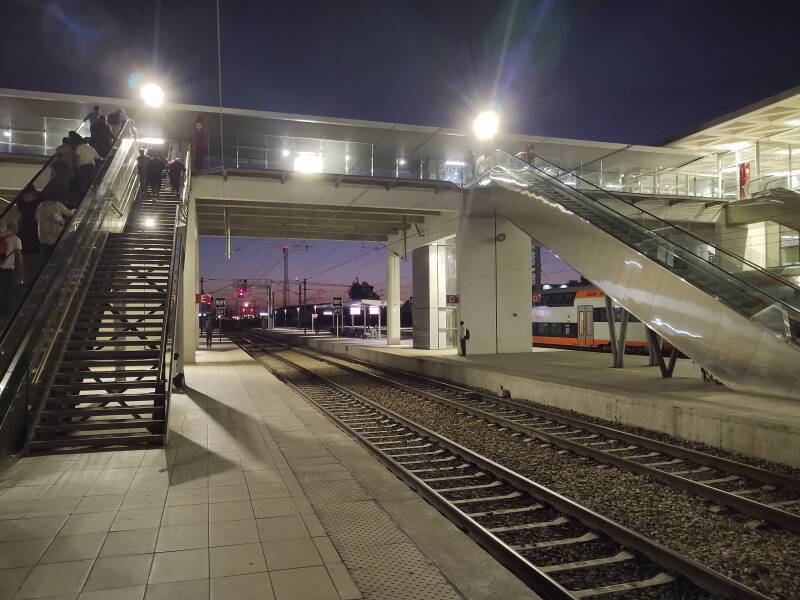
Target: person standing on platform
[10, 265]
[209, 330]
[463, 337]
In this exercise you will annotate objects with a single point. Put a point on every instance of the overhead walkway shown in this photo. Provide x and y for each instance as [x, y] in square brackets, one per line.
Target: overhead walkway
[86, 358]
[737, 320]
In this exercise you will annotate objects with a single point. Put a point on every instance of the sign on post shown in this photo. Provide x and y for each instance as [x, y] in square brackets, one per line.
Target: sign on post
[219, 306]
[337, 313]
[203, 299]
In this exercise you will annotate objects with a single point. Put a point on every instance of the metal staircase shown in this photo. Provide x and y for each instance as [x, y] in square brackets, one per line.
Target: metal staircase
[109, 386]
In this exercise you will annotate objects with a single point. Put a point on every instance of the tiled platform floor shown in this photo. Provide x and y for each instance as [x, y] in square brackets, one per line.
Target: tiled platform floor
[257, 496]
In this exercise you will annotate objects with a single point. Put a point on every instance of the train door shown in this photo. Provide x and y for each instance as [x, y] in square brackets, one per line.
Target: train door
[585, 326]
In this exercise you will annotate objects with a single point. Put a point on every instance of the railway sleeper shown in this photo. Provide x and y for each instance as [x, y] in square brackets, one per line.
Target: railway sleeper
[439, 469]
[660, 579]
[453, 477]
[665, 463]
[469, 488]
[425, 461]
[586, 537]
[509, 496]
[505, 511]
[525, 526]
[583, 564]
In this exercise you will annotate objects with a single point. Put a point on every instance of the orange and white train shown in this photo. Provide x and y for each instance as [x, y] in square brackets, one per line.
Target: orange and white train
[576, 317]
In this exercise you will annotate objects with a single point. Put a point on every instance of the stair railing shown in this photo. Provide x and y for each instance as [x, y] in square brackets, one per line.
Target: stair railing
[172, 326]
[32, 338]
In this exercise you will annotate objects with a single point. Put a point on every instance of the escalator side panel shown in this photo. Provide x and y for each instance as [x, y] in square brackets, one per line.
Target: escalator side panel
[739, 352]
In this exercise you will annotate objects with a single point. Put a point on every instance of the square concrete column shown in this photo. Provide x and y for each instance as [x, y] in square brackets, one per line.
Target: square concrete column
[190, 286]
[392, 298]
[494, 285]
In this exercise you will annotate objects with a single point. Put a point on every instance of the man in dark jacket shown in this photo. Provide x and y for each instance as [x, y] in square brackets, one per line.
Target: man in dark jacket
[155, 168]
[175, 170]
[102, 136]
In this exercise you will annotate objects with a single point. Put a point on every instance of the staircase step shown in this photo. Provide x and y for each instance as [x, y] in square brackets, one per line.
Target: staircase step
[99, 411]
[86, 386]
[96, 441]
[119, 355]
[44, 428]
[150, 399]
[106, 374]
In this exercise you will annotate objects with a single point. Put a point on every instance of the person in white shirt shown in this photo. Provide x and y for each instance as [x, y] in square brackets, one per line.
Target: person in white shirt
[84, 159]
[93, 117]
[50, 218]
[463, 336]
[10, 264]
[66, 153]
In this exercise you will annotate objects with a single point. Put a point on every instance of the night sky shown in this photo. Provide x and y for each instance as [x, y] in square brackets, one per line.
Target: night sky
[626, 71]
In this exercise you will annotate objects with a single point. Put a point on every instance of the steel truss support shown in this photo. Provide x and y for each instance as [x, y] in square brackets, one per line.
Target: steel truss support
[617, 343]
[657, 354]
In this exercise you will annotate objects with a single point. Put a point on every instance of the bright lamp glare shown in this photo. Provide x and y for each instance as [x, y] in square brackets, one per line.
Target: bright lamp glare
[486, 124]
[152, 140]
[152, 95]
[7, 133]
[284, 153]
[308, 162]
[149, 222]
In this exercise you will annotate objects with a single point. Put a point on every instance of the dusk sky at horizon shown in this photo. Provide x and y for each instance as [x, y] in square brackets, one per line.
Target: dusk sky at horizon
[626, 71]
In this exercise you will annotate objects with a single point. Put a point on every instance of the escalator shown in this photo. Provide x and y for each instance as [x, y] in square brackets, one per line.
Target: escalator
[87, 358]
[737, 320]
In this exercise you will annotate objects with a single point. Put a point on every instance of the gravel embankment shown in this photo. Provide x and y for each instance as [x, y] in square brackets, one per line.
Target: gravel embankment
[766, 559]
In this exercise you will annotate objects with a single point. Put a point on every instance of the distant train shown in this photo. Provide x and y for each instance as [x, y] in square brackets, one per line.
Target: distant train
[575, 317]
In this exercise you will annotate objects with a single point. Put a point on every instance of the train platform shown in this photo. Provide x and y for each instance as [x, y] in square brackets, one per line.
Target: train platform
[257, 495]
[683, 406]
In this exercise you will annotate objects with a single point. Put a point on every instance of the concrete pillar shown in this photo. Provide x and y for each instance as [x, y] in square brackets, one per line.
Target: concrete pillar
[494, 284]
[392, 298]
[191, 286]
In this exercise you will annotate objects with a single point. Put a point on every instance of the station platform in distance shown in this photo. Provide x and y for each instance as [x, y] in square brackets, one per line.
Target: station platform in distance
[257, 495]
[683, 406]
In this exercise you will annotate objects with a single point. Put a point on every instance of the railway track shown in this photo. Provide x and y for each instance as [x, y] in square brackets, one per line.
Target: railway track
[758, 493]
[559, 548]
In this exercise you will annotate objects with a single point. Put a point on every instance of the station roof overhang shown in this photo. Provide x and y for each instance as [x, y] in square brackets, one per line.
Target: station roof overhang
[776, 118]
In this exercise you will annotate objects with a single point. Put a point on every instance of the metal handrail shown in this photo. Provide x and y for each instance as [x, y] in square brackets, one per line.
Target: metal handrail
[99, 176]
[67, 262]
[736, 259]
[44, 167]
[659, 219]
[168, 358]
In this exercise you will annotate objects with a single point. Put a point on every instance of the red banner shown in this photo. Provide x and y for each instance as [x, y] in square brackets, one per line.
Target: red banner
[744, 180]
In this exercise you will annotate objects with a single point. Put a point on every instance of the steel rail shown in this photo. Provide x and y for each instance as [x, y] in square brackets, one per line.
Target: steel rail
[717, 462]
[758, 510]
[662, 556]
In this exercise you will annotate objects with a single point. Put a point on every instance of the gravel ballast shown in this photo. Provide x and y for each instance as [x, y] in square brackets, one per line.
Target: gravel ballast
[765, 558]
